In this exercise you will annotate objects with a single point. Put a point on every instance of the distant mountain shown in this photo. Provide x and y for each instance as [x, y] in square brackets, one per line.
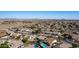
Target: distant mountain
[16, 19]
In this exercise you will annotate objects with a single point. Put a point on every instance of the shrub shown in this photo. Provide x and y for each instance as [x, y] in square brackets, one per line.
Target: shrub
[24, 40]
[4, 45]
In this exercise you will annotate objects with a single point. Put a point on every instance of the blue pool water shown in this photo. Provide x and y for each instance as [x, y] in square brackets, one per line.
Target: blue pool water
[35, 45]
[43, 45]
[40, 42]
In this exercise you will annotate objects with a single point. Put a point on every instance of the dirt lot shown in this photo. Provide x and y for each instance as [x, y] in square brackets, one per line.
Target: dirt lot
[4, 25]
[2, 33]
[8, 24]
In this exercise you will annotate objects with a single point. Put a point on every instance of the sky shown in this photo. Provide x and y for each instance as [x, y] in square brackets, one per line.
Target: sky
[40, 14]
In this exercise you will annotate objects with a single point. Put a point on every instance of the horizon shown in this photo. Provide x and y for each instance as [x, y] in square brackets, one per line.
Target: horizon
[40, 14]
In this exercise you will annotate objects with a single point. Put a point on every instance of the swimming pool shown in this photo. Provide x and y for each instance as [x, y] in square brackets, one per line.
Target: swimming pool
[43, 45]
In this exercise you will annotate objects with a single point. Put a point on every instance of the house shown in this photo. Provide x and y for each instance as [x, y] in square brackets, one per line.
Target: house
[75, 37]
[42, 37]
[65, 45]
[4, 37]
[16, 44]
[14, 29]
[32, 37]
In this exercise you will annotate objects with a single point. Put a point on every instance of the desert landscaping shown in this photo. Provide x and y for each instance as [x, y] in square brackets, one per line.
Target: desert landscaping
[39, 34]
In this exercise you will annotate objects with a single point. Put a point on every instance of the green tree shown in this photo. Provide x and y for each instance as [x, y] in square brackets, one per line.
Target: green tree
[74, 45]
[4, 45]
[25, 41]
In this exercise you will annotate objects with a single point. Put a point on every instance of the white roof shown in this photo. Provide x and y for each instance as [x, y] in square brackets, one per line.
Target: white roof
[54, 41]
[5, 37]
